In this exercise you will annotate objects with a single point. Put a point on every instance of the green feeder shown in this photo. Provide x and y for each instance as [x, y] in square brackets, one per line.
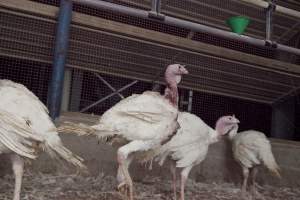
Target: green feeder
[238, 24]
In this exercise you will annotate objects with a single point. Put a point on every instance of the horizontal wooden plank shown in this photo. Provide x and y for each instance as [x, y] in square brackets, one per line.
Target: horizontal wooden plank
[142, 77]
[75, 53]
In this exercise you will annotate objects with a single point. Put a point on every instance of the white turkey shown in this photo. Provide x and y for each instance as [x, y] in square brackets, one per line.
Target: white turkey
[25, 128]
[140, 122]
[190, 145]
[251, 149]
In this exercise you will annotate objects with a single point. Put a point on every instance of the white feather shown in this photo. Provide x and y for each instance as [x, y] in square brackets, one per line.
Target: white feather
[29, 119]
[17, 136]
[190, 144]
[252, 148]
[148, 116]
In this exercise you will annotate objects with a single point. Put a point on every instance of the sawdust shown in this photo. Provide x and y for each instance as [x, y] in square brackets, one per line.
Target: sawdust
[75, 187]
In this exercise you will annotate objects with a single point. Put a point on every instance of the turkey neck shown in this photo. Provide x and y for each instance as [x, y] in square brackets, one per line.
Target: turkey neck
[233, 131]
[173, 94]
[171, 91]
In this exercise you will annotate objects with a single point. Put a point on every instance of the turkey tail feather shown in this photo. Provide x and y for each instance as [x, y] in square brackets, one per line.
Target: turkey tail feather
[269, 160]
[56, 150]
[79, 129]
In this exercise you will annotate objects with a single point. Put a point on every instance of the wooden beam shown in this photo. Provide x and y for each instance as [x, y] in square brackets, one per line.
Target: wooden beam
[142, 77]
[31, 7]
[89, 45]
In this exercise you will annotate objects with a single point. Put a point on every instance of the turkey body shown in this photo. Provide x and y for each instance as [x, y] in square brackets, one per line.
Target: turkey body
[251, 149]
[141, 122]
[189, 146]
[137, 123]
[25, 129]
[148, 117]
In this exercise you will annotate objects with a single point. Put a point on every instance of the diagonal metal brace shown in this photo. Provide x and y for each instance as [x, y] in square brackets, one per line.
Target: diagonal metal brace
[108, 85]
[108, 96]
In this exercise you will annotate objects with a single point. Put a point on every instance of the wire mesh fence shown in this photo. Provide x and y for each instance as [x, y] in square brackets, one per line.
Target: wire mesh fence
[102, 61]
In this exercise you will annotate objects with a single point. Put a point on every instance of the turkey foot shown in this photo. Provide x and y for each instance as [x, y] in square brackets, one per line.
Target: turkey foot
[123, 189]
[127, 184]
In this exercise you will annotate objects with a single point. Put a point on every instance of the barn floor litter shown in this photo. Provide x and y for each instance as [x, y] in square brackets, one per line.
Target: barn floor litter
[72, 187]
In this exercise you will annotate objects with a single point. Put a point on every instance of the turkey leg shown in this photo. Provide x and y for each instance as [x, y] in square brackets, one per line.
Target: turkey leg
[173, 171]
[184, 176]
[123, 152]
[18, 169]
[245, 177]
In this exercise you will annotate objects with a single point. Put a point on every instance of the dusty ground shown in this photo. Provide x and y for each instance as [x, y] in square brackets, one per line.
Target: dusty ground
[72, 187]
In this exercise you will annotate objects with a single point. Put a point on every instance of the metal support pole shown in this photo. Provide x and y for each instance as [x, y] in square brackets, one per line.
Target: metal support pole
[155, 10]
[60, 53]
[186, 24]
[190, 105]
[269, 20]
[156, 6]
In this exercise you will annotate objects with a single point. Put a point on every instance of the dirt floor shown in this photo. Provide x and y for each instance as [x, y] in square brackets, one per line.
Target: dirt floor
[72, 187]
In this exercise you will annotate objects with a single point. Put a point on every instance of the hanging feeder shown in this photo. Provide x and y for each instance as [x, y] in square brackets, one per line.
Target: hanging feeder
[238, 24]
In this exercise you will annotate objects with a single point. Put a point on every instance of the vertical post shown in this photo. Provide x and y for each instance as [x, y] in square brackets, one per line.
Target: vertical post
[66, 90]
[283, 119]
[60, 53]
[190, 104]
[269, 20]
[75, 99]
[155, 7]
[155, 10]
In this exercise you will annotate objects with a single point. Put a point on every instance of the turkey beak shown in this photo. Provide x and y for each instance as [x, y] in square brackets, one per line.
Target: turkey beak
[237, 121]
[184, 70]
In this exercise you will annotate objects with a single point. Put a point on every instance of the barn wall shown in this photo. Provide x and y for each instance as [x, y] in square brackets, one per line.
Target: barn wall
[219, 165]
